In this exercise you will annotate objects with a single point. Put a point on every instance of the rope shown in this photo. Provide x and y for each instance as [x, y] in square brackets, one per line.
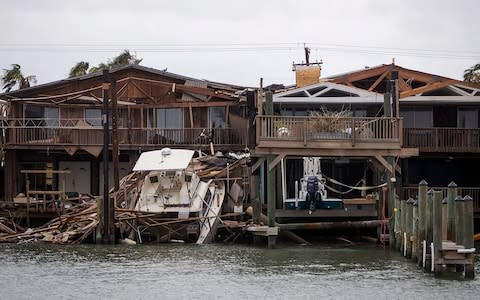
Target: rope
[355, 187]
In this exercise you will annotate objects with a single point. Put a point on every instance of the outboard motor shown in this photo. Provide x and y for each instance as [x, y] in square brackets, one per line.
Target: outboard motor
[313, 194]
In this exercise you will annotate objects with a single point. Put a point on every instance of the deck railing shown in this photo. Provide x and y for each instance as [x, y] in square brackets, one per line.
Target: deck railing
[442, 139]
[474, 192]
[328, 128]
[80, 132]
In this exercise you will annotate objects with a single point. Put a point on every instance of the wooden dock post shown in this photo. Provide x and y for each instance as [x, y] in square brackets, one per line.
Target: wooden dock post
[451, 195]
[271, 202]
[408, 228]
[428, 230]
[459, 225]
[415, 231]
[401, 244]
[422, 200]
[459, 219]
[444, 218]
[437, 231]
[397, 217]
[468, 235]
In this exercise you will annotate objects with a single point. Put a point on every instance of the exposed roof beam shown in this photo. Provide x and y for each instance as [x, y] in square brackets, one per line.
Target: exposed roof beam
[427, 88]
[379, 79]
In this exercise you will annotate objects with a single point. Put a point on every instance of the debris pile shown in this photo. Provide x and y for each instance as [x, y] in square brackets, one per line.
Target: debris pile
[72, 227]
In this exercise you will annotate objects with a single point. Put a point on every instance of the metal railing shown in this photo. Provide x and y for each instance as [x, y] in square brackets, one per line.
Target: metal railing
[442, 139]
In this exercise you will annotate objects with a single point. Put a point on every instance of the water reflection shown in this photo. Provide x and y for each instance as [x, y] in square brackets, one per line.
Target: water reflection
[183, 271]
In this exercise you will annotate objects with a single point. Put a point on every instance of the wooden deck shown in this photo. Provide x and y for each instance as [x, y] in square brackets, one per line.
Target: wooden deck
[37, 133]
[330, 136]
[443, 139]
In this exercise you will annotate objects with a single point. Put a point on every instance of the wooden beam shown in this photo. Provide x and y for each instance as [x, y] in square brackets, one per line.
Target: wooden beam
[364, 74]
[379, 79]
[384, 162]
[258, 163]
[184, 88]
[191, 114]
[332, 152]
[276, 161]
[403, 84]
[426, 88]
[143, 92]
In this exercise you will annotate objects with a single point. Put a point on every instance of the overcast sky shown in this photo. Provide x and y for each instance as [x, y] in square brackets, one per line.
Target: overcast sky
[240, 41]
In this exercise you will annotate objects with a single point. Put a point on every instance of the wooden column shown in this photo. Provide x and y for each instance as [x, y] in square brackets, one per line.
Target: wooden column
[468, 222]
[459, 220]
[468, 235]
[271, 203]
[107, 219]
[401, 245]
[415, 231]
[444, 219]
[409, 227]
[115, 147]
[422, 200]
[437, 230]
[428, 229]
[451, 195]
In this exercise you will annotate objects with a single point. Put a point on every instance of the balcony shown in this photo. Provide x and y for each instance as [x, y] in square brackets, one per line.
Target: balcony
[20, 133]
[442, 139]
[342, 136]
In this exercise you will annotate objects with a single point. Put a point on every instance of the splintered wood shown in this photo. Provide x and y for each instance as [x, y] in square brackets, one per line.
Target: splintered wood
[72, 227]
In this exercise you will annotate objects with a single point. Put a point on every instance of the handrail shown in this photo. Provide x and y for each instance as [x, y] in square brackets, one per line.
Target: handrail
[443, 139]
[355, 129]
[93, 136]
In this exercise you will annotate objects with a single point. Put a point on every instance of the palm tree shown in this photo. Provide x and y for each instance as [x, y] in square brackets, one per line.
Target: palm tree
[123, 59]
[472, 74]
[14, 77]
[98, 68]
[79, 69]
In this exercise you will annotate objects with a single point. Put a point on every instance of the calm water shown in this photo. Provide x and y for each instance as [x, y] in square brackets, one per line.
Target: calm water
[182, 271]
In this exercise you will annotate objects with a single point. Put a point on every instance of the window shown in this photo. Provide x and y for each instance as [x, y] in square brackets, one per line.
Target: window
[93, 116]
[418, 118]
[52, 116]
[216, 117]
[43, 116]
[467, 118]
[169, 118]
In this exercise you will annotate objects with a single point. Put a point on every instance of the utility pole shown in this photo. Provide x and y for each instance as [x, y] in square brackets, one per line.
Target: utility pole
[106, 214]
[115, 150]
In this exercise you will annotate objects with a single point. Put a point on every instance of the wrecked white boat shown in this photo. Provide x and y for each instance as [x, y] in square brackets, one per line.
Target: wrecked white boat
[171, 187]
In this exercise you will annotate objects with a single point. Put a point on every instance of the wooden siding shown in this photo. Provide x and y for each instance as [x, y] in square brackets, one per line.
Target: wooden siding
[441, 139]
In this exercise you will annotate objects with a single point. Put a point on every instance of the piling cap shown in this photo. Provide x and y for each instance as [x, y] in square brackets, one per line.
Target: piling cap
[467, 198]
[410, 201]
[444, 201]
[452, 185]
[423, 182]
[459, 198]
[430, 192]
